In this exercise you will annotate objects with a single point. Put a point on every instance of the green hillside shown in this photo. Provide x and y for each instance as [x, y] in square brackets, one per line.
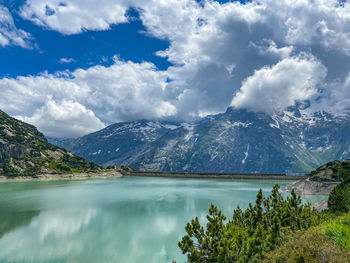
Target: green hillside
[24, 151]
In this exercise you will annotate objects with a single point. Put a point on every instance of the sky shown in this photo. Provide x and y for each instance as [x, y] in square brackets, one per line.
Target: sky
[71, 67]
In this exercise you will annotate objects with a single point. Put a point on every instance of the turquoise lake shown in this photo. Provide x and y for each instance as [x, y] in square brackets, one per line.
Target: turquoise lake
[128, 219]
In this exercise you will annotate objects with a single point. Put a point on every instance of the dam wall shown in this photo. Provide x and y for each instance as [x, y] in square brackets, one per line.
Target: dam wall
[191, 175]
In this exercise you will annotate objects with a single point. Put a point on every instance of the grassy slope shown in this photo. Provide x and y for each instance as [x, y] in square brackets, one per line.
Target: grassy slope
[328, 242]
[25, 151]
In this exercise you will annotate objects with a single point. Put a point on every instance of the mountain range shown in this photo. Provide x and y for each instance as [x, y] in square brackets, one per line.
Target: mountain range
[293, 141]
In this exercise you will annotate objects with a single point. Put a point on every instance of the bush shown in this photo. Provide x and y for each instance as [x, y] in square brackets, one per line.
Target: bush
[9, 170]
[339, 198]
[63, 167]
[250, 234]
[308, 247]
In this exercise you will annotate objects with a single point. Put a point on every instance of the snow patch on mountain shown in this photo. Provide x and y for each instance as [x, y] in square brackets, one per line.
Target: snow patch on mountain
[229, 124]
[246, 153]
[96, 153]
[190, 131]
[276, 124]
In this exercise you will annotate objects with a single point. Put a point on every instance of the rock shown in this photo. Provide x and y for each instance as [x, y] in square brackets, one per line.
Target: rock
[307, 187]
[323, 179]
[321, 206]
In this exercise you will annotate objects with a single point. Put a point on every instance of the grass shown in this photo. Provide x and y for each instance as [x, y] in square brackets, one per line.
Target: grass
[327, 242]
[339, 231]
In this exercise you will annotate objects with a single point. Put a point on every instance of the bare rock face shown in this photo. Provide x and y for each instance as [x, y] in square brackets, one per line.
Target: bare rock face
[307, 187]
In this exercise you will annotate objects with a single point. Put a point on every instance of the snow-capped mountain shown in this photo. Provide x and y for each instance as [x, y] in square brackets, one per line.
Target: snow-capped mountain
[121, 142]
[294, 141]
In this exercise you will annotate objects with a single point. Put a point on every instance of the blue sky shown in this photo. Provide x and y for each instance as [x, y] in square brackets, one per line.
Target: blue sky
[90, 48]
[87, 49]
[73, 67]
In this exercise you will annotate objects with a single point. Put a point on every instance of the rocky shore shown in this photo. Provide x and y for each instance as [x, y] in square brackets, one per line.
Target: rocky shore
[321, 181]
[308, 187]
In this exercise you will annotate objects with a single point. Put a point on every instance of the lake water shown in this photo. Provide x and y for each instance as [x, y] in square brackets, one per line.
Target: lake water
[110, 220]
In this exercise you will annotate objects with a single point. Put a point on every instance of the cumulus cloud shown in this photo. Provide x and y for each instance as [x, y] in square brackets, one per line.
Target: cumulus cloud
[65, 119]
[336, 98]
[9, 34]
[72, 17]
[237, 39]
[69, 104]
[272, 89]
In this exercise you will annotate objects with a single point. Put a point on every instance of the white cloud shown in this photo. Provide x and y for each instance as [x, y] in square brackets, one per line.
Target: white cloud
[73, 17]
[217, 46]
[65, 119]
[74, 103]
[9, 34]
[66, 60]
[269, 48]
[336, 98]
[273, 88]
[322, 22]
[213, 47]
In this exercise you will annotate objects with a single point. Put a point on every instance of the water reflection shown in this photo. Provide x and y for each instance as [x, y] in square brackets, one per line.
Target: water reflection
[114, 220]
[50, 235]
[10, 220]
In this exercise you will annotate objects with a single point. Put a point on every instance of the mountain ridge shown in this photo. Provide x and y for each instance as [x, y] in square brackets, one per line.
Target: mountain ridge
[294, 141]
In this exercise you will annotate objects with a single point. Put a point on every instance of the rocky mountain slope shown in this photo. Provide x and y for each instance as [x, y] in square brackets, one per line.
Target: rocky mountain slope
[119, 143]
[295, 141]
[25, 151]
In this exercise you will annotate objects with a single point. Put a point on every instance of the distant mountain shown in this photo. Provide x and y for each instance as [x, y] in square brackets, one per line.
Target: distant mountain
[25, 151]
[294, 141]
[60, 142]
[120, 143]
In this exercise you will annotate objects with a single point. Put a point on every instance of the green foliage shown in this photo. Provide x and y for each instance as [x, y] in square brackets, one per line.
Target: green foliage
[250, 234]
[63, 167]
[9, 169]
[78, 163]
[328, 242]
[339, 231]
[339, 198]
[310, 246]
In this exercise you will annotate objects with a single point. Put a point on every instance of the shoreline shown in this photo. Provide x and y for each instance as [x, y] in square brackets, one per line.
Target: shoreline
[178, 175]
[74, 176]
[308, 187]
